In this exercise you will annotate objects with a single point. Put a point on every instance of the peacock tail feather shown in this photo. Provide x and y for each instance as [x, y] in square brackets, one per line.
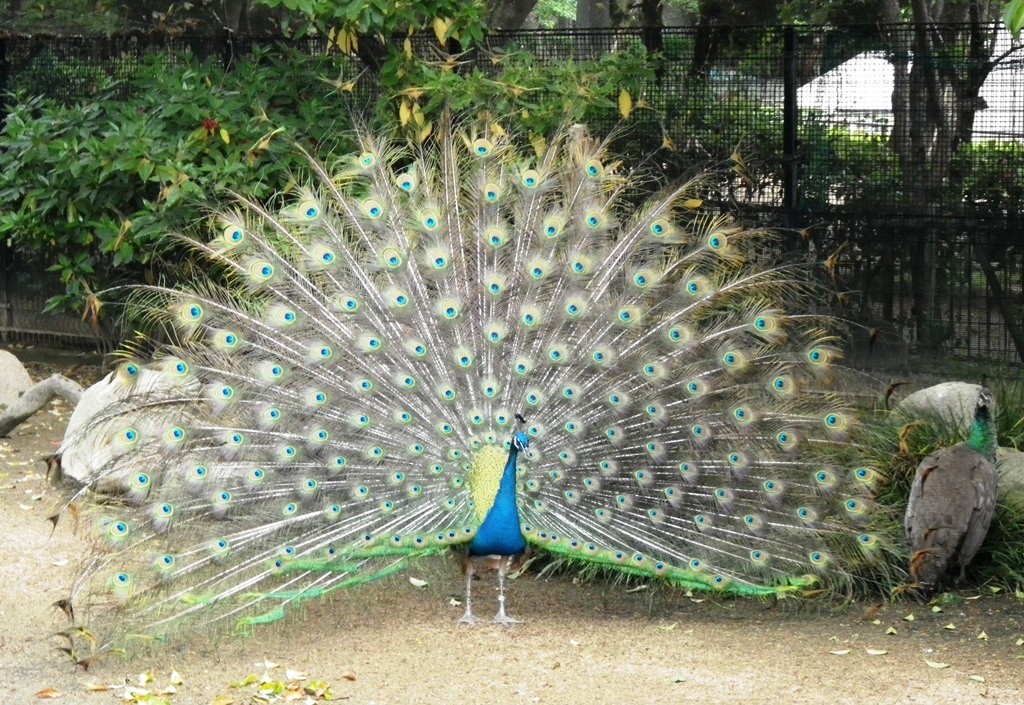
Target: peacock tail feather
[341, 390]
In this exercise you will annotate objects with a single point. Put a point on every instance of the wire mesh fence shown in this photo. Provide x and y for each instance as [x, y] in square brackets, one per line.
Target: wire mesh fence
[829, 132]
[25, 288]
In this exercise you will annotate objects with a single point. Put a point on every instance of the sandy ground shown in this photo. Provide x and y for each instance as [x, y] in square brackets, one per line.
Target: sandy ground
[580, 643]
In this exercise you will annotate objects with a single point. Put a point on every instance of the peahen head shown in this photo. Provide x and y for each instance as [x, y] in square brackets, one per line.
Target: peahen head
[983, 437]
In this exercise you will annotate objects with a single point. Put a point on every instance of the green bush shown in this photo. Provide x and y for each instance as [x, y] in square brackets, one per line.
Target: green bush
[86, 16]
[993, 176]
[96, 188]
[710, 124]
[853, 169]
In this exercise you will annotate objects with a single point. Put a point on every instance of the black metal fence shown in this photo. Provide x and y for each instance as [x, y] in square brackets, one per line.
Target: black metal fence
[929, 265]
[25, 288]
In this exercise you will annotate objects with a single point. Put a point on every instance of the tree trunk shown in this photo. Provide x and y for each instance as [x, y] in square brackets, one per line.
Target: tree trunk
[650, 20]
[233, 12]
[1007, 309]
[509, 15]
[935, 97]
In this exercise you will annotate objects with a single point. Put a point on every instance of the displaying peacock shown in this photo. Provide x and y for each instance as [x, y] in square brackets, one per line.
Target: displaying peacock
[466, 344]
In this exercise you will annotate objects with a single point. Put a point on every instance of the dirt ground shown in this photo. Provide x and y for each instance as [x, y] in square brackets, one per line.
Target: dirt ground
[595, 643]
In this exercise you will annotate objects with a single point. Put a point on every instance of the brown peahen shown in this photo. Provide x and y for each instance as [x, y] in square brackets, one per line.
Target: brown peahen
[952, 501]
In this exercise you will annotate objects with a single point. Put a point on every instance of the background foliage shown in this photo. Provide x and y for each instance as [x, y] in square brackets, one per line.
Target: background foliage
[98, 186]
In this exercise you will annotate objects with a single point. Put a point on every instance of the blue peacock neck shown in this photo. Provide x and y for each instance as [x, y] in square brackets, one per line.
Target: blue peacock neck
[499, 532]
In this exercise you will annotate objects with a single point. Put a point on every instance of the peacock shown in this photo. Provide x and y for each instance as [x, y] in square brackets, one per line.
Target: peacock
[472, 343]
[952, 502]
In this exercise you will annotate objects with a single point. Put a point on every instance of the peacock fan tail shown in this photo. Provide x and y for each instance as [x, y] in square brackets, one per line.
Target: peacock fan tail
[343, 394]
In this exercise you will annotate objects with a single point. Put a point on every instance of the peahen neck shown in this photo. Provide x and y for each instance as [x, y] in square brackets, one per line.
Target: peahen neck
[982, 438]
[499, 532]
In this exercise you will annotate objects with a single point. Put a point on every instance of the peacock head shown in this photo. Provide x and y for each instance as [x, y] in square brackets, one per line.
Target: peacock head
[520, 441]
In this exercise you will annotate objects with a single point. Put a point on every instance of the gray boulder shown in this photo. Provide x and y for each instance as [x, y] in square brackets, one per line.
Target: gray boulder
[1010, 463]
[949, 405]
[14, 379]
[92, 442]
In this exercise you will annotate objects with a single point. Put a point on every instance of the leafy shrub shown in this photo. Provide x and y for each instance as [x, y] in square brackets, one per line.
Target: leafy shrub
[839, 167]
[992, 175]
[95, 188]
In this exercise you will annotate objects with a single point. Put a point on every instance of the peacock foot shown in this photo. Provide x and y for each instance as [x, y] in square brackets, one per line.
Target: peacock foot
[467, 618]
[502, 618]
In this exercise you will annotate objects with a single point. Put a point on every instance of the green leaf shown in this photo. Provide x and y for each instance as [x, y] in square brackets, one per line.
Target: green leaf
[1013, 17]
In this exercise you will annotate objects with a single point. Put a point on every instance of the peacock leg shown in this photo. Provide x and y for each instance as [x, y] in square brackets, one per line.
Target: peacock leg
[467, 616]
[501, 617]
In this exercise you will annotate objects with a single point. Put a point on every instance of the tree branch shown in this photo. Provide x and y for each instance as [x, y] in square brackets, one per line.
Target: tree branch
[37, 396]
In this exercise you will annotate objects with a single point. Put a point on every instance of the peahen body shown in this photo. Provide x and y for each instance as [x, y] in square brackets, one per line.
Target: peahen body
[952, 501]
[464, 344]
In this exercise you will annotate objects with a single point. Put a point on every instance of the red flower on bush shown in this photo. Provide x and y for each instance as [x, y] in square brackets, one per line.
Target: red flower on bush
[211, 126]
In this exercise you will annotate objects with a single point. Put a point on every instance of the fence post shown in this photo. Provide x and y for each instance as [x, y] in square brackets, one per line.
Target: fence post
[790, 166]
[228, 50]
[4, 76]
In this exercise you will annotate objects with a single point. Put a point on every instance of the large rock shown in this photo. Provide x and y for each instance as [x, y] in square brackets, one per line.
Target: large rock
[14, 379]
[92, 441]
[949, 405]
[1010, 463]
